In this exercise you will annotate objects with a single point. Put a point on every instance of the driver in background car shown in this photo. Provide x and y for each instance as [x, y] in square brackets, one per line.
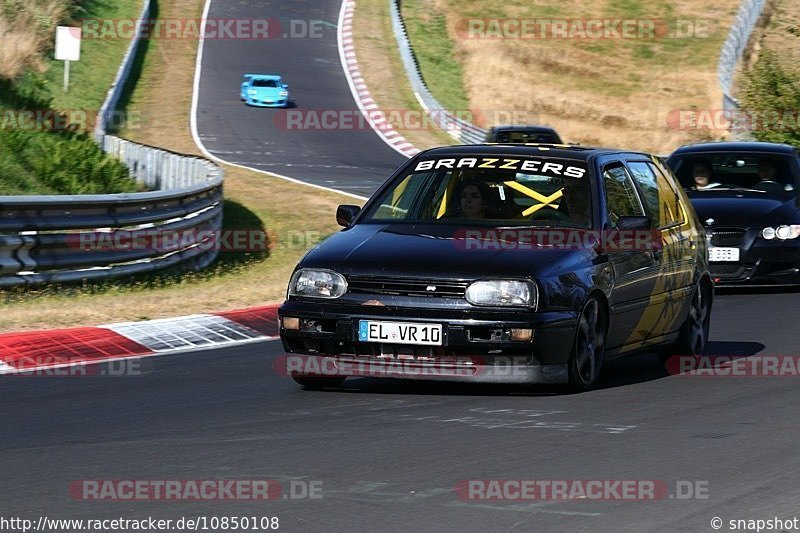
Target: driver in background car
[702, 175]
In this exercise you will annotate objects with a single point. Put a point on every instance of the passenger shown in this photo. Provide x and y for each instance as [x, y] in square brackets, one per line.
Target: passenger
[575, 204]
[766, 170]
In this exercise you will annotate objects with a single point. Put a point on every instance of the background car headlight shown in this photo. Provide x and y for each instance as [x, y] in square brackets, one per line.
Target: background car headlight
[784, 232]
[317, 283]
[252, 92]
[283, 93]
[502, 293]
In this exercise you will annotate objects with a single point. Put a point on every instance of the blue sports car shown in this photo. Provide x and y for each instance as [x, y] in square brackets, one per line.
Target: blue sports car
[264, 90]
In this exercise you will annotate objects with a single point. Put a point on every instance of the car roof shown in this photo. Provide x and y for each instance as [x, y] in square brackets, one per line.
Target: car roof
[552, 150]
[750, 146]
[522, 127]
[262, 76]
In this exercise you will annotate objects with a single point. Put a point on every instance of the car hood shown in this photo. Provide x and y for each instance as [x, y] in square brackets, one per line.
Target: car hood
[743, 208]
[437, 251]
[267, 92]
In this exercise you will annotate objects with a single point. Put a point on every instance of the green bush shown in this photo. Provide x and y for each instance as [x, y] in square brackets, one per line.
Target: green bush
[34, 162]
[771, 95]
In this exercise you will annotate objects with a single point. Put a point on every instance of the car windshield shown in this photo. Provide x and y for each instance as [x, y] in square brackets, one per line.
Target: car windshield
[767, 173]
[522, 136]
[265, 83]
[494, 191]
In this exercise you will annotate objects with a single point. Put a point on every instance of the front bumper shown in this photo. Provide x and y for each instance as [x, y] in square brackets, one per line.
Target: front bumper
[266, 103]
[508, 372]
[476, 346]
[761, 262]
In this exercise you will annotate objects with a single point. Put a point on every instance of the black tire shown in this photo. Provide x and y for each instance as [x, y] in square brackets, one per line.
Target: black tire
[316, 383]
[693, 335]
[588, 348]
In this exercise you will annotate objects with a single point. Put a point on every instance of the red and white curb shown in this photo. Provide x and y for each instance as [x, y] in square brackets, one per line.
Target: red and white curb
[47, 349]
[368, 107]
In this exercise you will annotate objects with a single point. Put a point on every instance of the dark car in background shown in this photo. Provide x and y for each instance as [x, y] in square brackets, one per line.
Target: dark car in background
[499, 263]
[507, 134]
[747, 194]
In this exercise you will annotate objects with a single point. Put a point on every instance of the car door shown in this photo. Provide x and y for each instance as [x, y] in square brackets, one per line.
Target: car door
[676, 252]
[635, 269]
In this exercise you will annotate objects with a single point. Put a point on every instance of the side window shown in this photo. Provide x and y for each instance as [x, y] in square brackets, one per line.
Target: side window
[646, 179]
[621, 197]
[670, 199]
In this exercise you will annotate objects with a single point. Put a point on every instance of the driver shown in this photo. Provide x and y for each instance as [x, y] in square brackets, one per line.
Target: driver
[702, 174]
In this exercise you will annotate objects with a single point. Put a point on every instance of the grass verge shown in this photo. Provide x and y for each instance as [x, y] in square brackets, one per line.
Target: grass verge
[163, 97]
[611, 91]
[769, 86]
[43, 149]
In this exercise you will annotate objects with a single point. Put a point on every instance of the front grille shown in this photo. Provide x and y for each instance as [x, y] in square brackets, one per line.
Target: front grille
[727, 237]
[406, 287]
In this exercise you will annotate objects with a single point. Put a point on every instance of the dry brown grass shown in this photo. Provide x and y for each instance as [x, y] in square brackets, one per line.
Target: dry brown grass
[612, 92]
[27, 29]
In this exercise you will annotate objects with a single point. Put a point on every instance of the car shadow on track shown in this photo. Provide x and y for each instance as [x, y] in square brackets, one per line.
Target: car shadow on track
[618, 373]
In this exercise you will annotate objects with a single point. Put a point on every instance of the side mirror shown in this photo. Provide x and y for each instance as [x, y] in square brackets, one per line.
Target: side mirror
[285, 85]
[633, 222]
[345, 214]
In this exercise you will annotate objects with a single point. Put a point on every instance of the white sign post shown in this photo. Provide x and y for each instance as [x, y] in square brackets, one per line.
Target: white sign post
[68, 48]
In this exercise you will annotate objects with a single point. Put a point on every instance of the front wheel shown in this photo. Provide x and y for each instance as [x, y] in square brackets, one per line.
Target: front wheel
[316, 383]
[589, 347]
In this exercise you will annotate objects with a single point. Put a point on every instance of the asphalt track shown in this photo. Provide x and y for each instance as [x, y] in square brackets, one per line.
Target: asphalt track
[350, 159]
[389, 453]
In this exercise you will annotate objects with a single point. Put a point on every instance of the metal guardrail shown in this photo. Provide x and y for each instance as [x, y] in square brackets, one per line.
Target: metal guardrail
[732, 50]
[72, 238]
[461, 130]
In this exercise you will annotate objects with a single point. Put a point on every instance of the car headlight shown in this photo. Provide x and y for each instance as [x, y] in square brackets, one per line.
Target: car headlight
[252, 92]
[317, 283]
[503, 293]
[783, 233]
[283, 93]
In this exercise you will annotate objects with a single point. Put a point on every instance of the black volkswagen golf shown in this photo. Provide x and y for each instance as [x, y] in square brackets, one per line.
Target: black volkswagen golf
[502, 264]
[748, 197]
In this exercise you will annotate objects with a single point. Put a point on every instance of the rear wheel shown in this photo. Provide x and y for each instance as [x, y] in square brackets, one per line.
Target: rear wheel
[316, 383]
[589, 347]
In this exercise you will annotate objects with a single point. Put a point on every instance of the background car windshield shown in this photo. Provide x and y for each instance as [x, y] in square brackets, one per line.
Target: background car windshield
[496, 197]
[527, 137]
[265, 83]
[768, 173]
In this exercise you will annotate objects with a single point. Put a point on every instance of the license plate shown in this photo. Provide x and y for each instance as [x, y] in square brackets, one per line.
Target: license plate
[721, 255]
[400, 332]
